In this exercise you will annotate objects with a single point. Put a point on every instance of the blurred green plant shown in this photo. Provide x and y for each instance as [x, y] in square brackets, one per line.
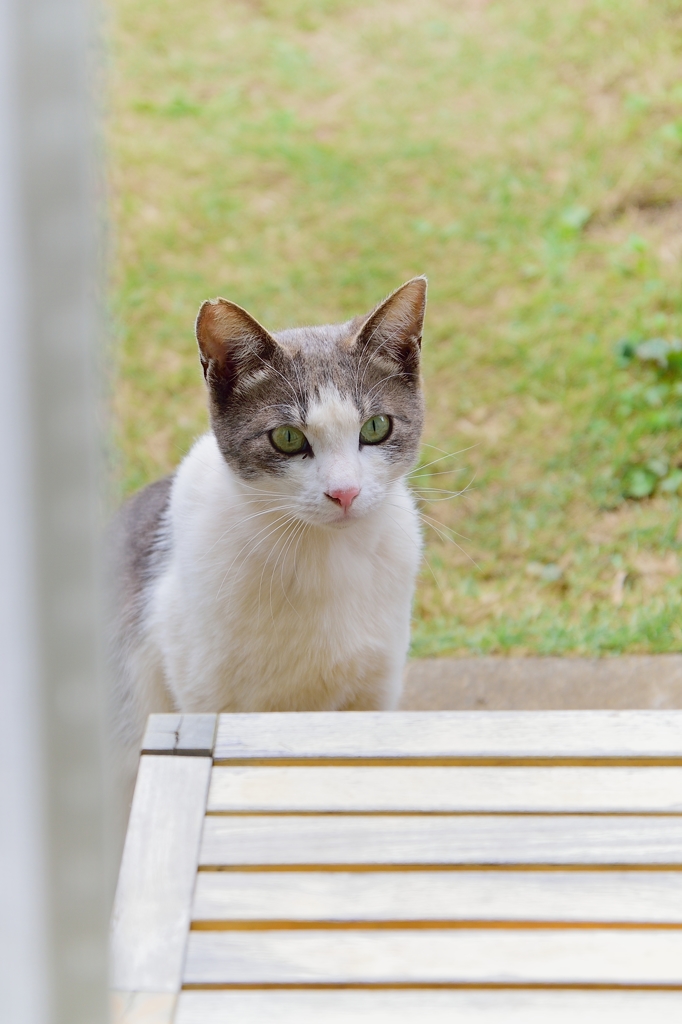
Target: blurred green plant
[652, 406]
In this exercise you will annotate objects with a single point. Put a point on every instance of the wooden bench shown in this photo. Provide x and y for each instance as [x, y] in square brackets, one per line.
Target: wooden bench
[497, 867]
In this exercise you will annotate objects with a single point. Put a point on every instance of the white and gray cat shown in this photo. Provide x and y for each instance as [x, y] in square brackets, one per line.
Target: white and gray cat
[274, 571]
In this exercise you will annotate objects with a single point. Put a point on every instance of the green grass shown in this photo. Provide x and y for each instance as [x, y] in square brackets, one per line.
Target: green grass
[304, 158]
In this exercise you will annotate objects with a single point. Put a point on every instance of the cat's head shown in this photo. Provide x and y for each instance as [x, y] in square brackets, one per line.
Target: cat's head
[324, 419]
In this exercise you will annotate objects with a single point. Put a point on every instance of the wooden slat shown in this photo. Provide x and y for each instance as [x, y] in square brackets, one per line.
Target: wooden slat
[439, 957]
[461, 839]
[191, 735]
[643, 790]
[376, 896]
[431, 1007]
[153, 899]
[468, 735]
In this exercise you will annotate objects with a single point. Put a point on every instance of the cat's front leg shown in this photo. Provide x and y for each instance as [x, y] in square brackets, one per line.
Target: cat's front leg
[381, 695]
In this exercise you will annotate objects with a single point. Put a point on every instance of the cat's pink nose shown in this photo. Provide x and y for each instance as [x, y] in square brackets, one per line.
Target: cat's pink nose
[344, 498]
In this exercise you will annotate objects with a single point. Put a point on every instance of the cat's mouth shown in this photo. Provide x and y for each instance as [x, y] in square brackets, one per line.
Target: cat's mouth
[346, 517]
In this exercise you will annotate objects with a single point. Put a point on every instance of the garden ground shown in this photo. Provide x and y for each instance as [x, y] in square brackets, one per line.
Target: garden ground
[303, 158]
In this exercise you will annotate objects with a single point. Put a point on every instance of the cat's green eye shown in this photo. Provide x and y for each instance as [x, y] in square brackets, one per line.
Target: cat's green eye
[375, 430]
[289, 440]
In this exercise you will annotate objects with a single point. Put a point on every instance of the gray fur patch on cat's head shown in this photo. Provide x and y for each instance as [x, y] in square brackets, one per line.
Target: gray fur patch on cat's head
[258, 381]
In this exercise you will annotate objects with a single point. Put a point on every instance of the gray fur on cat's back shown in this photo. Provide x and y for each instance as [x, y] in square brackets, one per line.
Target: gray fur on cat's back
[136, 541]
[136, 550]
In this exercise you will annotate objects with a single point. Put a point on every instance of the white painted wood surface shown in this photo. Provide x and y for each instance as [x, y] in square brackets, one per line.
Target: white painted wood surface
[429, 1007]
[514, 795]
[457, 956]
[191, 735]
[376, 896]
[451, 735]
[562, 790]
[461, 839]
[151, 913]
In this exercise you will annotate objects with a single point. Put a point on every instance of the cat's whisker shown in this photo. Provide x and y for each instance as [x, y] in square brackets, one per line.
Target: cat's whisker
[252, 545]
[382, 381]
[447, 455]
[265, 564]
[245, 567]
[247, 549]
[430, 567]
[286, 543]
[273, 547]
[372, 354]
[272, 575]
[443, 490]
[267, 511]
[425, 444]
[434, 501]
[442, 526]
[438, 527]
[264, 511]
[439, 472]
[288, 383]
[256, 491]
[432, 495]
[436, 490]
[267, 496]
[277, 405]
[298, 533]
[245, 519]
[443, 531]
[358, 383]
[293, 535]
[298, 544]
[417, 488]
[301, 384]
[390, 336]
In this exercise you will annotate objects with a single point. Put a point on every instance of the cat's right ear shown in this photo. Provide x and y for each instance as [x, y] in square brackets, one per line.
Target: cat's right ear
[231, 345]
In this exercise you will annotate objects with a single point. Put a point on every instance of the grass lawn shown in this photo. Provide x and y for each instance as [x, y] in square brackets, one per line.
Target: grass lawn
[304, 157]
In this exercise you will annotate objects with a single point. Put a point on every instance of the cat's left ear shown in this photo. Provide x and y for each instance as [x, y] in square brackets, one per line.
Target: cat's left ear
[393, 330]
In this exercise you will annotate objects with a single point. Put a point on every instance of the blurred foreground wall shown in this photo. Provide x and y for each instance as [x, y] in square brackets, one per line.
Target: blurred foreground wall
[52, 839]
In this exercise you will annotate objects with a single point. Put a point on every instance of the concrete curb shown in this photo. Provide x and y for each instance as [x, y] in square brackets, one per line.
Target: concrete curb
[535, 684]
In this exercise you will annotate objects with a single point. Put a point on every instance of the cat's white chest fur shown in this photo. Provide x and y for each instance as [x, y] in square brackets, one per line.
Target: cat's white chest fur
[253, 612]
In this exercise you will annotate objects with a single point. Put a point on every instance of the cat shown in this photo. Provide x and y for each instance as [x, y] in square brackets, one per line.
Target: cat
[275, 569]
